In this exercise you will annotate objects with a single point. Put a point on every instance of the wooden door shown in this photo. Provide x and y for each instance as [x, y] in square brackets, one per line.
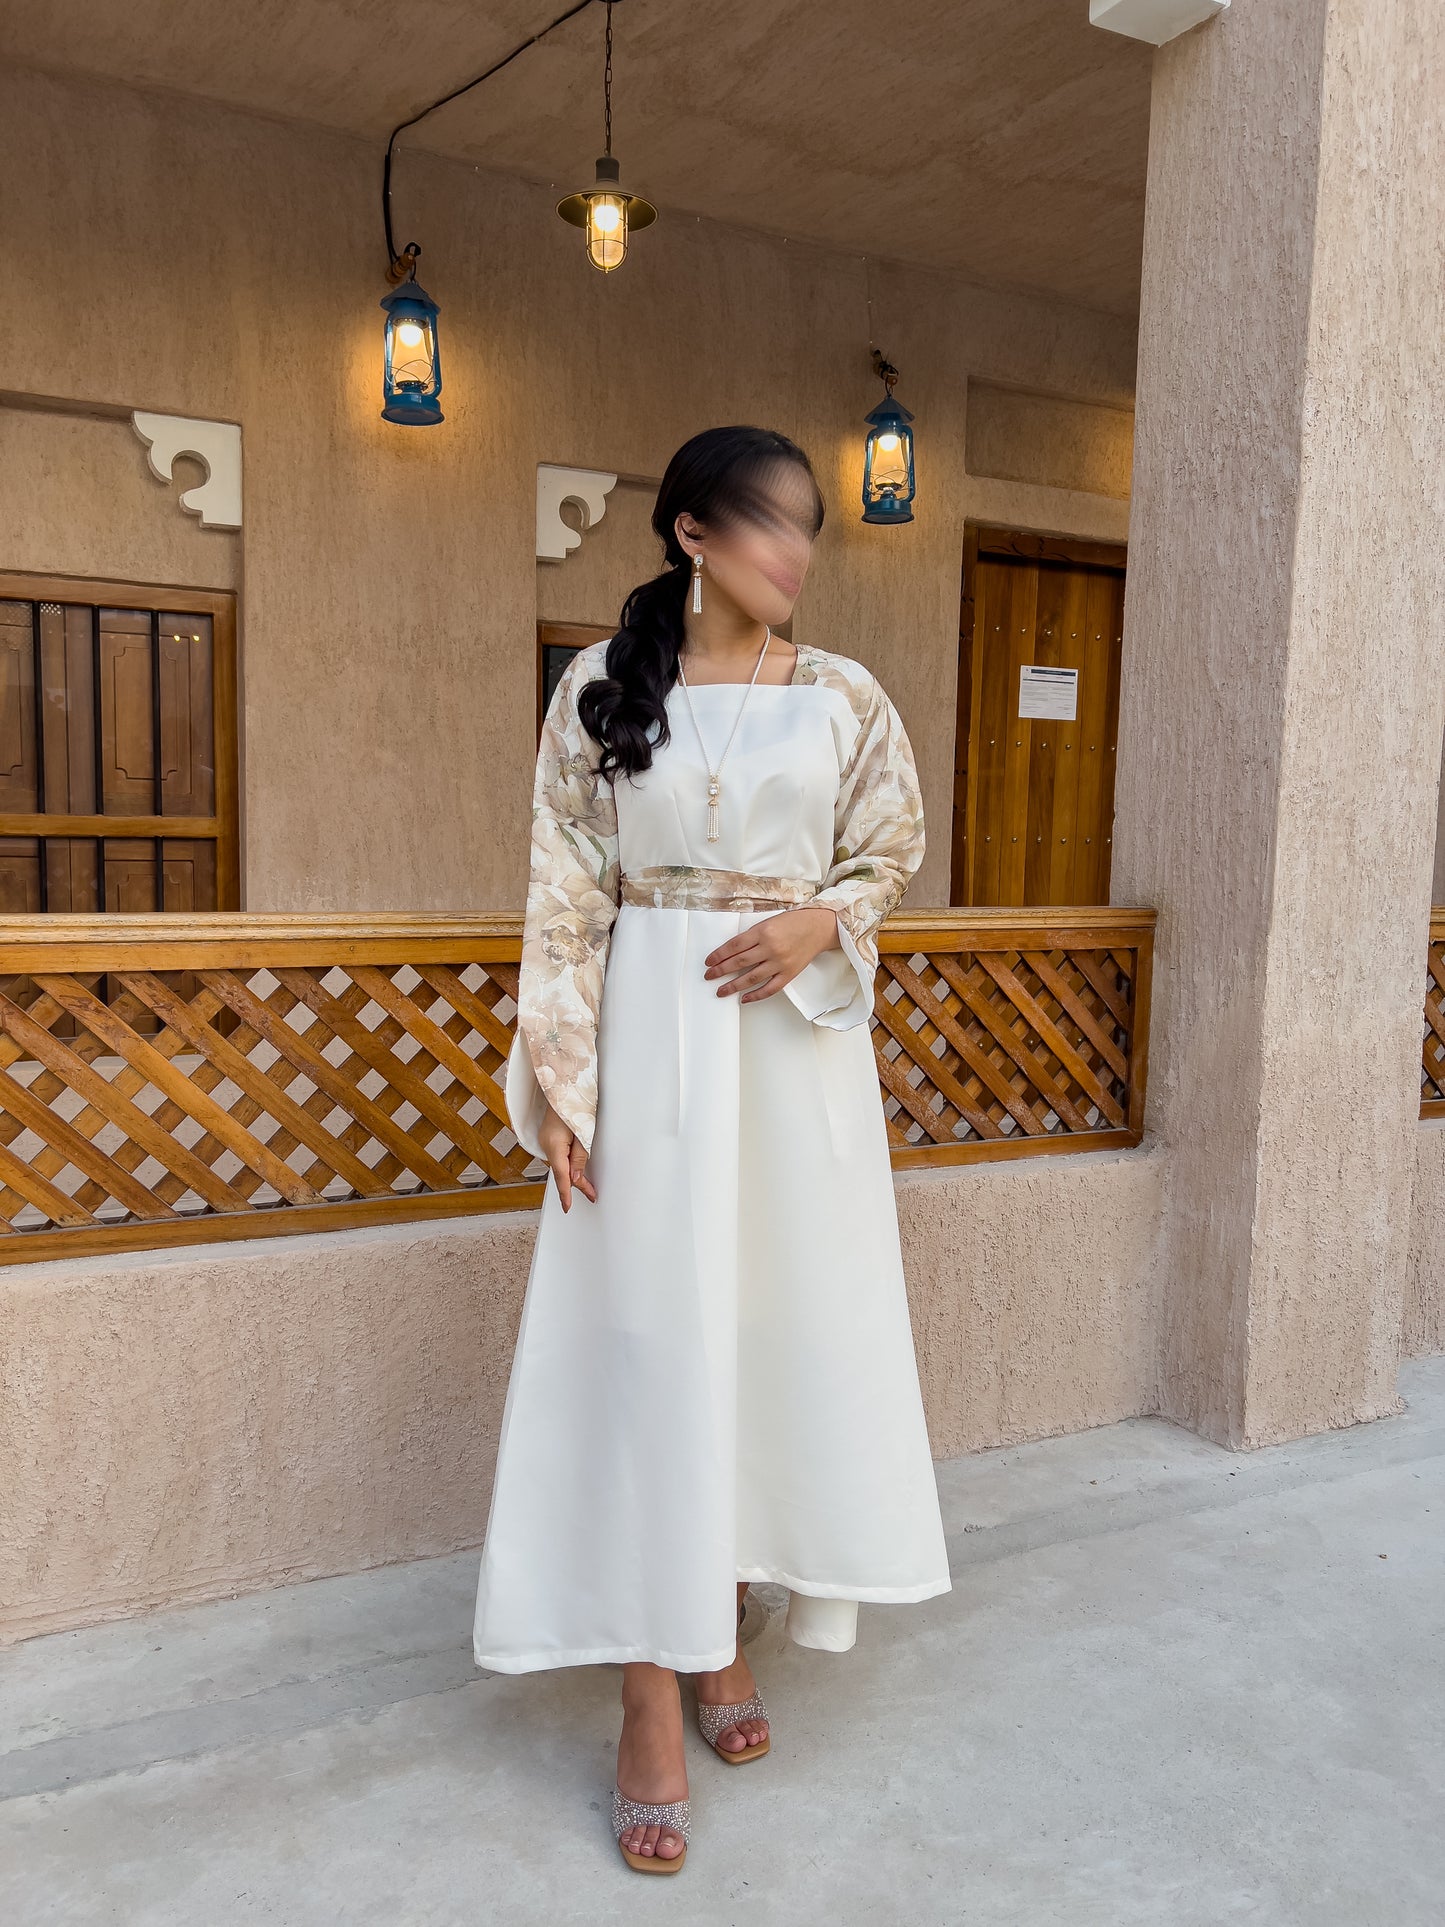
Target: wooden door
[1033, 808]
[118, 777]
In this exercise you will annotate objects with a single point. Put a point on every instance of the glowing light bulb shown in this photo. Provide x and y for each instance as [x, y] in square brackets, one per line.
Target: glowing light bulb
[410, 335]
[606, 217]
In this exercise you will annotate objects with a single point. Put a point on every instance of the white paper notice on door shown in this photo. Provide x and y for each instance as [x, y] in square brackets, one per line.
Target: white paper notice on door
[1049, 692]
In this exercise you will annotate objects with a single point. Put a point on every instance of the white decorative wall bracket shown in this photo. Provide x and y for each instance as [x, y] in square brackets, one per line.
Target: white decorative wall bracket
[587, 487]
[1153, 20]
[217, 445]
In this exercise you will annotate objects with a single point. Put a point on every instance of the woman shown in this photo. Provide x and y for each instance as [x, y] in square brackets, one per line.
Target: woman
[714, 1379]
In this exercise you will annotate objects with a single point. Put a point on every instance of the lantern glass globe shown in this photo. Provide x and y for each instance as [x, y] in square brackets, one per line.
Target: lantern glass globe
[607, 232]
[889, 467]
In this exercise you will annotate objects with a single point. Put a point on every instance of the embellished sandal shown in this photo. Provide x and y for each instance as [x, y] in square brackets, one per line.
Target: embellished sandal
[675, 1815]
[715, 1720]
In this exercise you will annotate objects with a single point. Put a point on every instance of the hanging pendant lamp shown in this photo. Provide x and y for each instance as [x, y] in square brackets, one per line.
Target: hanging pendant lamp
[606, 210]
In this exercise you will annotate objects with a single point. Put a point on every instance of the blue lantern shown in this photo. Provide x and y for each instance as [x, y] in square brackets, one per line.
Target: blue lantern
[888, 456]
[412, 372]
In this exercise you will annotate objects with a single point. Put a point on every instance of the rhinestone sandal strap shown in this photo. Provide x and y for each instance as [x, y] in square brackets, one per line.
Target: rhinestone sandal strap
[676, 1815]
[715, 1720]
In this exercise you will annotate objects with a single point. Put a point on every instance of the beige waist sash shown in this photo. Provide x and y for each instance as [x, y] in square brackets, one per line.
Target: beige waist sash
[687, 886]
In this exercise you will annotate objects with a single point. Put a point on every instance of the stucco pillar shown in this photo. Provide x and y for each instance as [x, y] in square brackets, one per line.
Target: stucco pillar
[1284, 691]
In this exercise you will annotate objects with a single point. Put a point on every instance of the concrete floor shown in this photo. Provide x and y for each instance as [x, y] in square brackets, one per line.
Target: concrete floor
[1171, 1685]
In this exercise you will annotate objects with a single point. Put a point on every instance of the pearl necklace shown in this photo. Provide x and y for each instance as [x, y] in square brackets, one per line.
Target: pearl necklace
[714, 788]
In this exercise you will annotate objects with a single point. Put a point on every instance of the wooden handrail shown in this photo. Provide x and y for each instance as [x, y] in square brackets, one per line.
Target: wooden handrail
[171, 1079]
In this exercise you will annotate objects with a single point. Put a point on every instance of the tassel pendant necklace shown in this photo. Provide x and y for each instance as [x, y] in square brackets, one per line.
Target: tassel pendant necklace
[714, 785]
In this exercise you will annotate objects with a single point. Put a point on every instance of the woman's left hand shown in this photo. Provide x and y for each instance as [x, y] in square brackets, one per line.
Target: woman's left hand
[769, 954]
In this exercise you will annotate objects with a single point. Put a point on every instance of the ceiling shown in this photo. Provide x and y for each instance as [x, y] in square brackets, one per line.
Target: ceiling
[1005, 139]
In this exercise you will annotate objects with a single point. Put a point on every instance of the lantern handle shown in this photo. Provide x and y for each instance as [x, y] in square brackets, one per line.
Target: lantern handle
[398, 268]
[885, 372]
[403, 265]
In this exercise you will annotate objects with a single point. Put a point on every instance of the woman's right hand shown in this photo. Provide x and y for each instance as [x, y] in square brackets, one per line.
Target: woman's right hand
[564, 1152]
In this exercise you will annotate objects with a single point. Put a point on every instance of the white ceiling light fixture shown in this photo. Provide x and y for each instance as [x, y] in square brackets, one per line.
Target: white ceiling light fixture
[1153, 20]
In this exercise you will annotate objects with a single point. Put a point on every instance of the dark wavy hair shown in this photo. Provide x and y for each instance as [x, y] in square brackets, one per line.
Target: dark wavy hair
[720, 478]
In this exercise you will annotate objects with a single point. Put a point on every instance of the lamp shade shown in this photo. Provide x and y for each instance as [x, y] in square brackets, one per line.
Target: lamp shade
[412, 371]
[608, 213]
[888, 464]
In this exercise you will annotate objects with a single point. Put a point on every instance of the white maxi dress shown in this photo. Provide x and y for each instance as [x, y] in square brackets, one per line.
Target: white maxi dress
[714, 1376]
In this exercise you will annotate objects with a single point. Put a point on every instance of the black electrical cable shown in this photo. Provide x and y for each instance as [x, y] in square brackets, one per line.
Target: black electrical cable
[412, 249]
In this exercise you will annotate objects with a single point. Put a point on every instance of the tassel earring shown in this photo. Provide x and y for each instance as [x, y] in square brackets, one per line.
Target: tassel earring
[697, 583]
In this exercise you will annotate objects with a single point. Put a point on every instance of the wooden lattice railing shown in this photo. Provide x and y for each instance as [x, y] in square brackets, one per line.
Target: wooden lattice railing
[165, 1080]
[1005, 1033]
[169, 1079]
[1432, 1070]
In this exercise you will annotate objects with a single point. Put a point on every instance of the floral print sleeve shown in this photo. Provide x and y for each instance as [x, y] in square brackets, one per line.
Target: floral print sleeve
[879, 844]
[572, 901]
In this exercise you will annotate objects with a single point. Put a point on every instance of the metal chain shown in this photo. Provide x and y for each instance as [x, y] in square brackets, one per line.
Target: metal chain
[607, 77]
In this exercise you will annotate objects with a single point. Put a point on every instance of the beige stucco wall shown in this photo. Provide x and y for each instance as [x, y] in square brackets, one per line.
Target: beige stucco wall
[202, 262]
[77, 497]
[1015, 434]
[1282, 688]
[188, 1424]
